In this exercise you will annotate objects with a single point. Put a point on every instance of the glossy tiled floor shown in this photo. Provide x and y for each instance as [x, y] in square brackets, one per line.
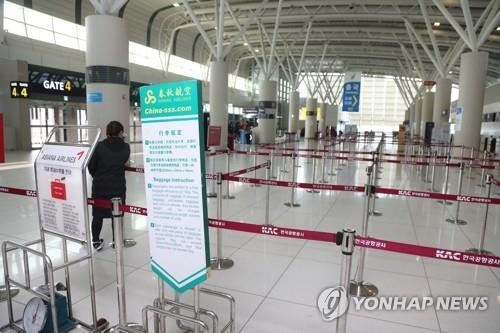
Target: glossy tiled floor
[276, 281]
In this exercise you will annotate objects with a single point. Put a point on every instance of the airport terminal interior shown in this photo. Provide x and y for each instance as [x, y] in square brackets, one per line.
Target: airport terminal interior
[290, 166]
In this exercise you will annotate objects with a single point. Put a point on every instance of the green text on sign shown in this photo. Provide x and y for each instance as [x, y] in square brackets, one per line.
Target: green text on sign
[169, 99]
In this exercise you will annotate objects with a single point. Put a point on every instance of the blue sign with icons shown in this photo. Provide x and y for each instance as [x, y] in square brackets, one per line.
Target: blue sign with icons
[351, 96]
[94, 97]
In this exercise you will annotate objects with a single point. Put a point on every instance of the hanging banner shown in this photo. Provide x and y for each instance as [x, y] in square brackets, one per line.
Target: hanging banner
[60, 180]
[174, 169]
[351, 93]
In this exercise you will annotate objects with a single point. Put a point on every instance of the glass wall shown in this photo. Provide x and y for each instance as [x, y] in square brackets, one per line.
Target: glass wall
[42, 121]
[26, 22]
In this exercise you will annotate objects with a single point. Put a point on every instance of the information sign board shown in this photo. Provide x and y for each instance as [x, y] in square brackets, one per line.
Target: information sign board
[174, 173]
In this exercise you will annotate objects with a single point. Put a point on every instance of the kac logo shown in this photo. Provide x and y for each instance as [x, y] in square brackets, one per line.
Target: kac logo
[333, 303]
[150, 97]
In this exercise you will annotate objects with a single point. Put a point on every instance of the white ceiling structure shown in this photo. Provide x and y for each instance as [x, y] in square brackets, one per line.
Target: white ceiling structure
[405, 38]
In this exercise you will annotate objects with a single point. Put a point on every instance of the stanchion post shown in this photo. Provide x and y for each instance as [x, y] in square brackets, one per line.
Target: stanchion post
[268, 191]
[358, 287]
[373, 182]
[228, 193]
[346, 243]
[220, 263]
[446, 178]
[323, 168]
[480, 249]
[292, 202]
[433, 172]
[332, 172]
[283, 159]
[483, 170]
[255, 171]
[312, 190]
[456, 220]
[212, 193]
[117, 220]
[272, 165]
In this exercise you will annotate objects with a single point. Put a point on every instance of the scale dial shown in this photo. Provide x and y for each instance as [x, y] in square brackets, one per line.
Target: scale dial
[34, 315]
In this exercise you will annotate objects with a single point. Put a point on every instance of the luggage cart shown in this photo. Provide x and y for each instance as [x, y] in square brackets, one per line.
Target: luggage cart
[59, 308]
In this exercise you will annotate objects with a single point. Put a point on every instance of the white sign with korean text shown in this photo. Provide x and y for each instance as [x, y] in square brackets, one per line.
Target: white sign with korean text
[61, 197]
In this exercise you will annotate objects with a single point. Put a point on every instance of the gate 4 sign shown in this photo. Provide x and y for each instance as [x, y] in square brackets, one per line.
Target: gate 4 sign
[174, 175]
[352, 89]
[59, 180]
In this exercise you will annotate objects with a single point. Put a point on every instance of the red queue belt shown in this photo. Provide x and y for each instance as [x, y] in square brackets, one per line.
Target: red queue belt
[368, 242]
[439, 196]
[280, 183]
[429, 252]
[247, 170]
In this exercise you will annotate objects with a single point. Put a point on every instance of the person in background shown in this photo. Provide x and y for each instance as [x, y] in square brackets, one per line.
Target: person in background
[107, 168]
[334, 132]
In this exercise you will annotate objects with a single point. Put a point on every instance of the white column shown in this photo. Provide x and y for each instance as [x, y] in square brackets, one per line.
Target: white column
[442, 102]
[107, 67]
[323, 107]
[293, 113]
[311, 110]
[1, 21]
[218, 98]
[418, 115]
[333, 119]
[266, 132]
[407, 114]
[427, 105]
[473, 69]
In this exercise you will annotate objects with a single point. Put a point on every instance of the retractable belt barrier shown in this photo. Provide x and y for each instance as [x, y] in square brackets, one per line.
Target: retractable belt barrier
[350, 158]
[270, 230]
[280, 183]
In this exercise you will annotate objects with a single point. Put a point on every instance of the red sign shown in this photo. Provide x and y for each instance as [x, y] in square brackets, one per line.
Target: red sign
[429, 83]
[58, 189]
[2, 142]
[214, 133]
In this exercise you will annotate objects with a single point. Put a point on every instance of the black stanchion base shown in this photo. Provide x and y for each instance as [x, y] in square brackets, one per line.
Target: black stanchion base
[211, 195]
[332, 174]
[291, 204]
[3, 293]
[284, 171]
[323, 181]
[362, 289]
[375, 213]
[456, 221]
[446, 203]
[312, 191]
[255, 185]
[229, 197]
[219, 264]
[481, 252]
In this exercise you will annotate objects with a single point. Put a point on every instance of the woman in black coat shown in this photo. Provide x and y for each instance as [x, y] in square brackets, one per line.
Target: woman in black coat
[107, 168]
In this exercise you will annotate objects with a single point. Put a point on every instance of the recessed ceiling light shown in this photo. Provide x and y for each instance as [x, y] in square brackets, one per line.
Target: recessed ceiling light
[245, 44]
[498, 28]
[176, 4]
[437, 24]
[257, 50]
[450, 72]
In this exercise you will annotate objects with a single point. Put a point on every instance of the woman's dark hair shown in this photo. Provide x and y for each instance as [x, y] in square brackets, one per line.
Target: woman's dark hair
[114, 128]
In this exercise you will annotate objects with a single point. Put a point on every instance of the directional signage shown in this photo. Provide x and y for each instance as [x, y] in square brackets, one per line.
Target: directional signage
[352, 89]
[174, 175]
